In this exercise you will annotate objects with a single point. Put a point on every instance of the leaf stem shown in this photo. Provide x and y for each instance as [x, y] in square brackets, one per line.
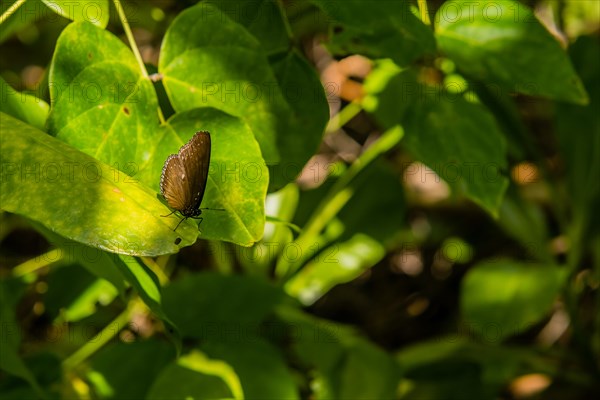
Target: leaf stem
[343, 117]
[11, 10]
[101, 338]
[424, 11]
[38, 263]
[336, 199]
[130, 38]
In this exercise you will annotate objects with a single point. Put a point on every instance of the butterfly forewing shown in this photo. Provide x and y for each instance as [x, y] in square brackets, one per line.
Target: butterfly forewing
[184, 175]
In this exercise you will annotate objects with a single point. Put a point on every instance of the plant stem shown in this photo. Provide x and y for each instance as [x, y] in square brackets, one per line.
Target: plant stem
[11, 10]
[130, 37]
[38, 263]
[134, 48]
[343, 117]
[336, 199]
[104, 336]
[424, 11]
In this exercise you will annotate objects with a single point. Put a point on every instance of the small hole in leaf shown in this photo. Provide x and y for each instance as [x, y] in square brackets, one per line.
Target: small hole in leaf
[178, 240]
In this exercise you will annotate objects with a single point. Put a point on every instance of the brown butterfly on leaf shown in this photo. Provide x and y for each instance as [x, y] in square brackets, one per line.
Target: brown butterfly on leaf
[184, 176]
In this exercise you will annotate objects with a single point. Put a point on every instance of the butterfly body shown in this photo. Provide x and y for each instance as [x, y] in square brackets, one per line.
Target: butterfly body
[184, 176]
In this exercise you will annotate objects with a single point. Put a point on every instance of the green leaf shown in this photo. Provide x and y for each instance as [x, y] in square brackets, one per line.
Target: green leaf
[377, 29]
[23, 106]
[263, 19]
[503, 298]
[260, 367]
[74, 294]
[457, 139]
[196, 376]
[101, 103]
[237, 181]
[98, 262]
[209, 60]
[303, 91]
[346, 365]
[10, 361]
[338, 263]
[206, 305]
[578, 132]
[122, 371]
[451, 368]
[501, 42]
[77, 197]
[94, 11]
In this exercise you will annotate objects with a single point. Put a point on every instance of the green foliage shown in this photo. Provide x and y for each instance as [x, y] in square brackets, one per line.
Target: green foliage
[436, 237]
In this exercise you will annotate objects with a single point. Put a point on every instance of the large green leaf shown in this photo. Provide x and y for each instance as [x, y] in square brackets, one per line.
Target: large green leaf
[578, 132]
[459, 140]
[10, 359]
[101, 103]
[263, 18]
[211, 305]
[453, 368]
[120, 127]
[79, 198]
[377, 29]
[260, 367]
[94, 11]
[345, 365]
[238, 177]
[501, 42]
[195, 376]
[504, 297]
[209, 60]
[23, 106]
[122, 371]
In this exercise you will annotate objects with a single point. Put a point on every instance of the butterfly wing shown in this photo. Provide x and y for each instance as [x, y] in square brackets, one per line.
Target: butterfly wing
[172, 183]
[195, 158]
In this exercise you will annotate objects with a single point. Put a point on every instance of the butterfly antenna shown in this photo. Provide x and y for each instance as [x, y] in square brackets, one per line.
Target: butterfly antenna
[214, 209]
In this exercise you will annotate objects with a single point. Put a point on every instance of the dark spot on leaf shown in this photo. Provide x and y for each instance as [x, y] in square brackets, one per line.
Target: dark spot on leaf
[90, 56]
[178, 240]
[126, 110]
[338, 29]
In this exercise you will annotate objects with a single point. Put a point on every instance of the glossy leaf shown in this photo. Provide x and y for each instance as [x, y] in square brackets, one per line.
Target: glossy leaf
[346, 365]
[501, 42]
[93, 11]
[238, 177]
[457, 139]
[260, 367]
[207, 305]
[263, 19]
[23, 106]
[209, 60]
[101, 103]
[11, 361]
[196, 376]
[77, 197]
[338, 263]
[504, 298]
[122, 371]
[377, 29]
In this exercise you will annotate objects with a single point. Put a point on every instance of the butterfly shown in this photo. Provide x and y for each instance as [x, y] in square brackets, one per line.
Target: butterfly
[184, 175]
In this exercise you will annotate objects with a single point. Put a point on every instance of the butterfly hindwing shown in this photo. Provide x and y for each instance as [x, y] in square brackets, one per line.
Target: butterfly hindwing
[171, 185]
